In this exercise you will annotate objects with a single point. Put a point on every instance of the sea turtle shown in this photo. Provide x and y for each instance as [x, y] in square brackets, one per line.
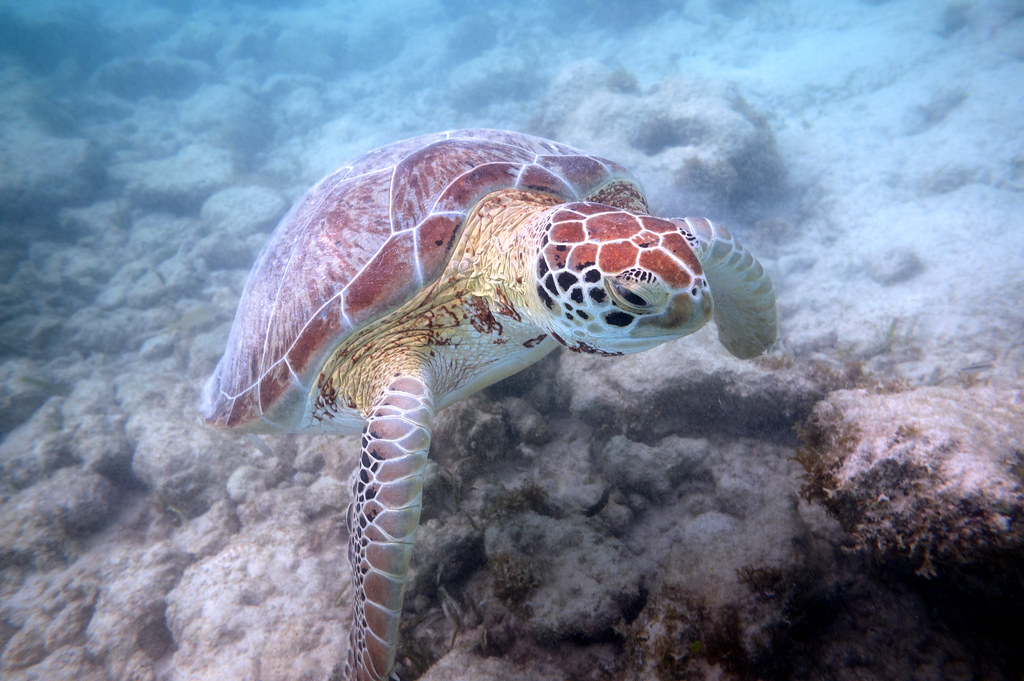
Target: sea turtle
[426, 270]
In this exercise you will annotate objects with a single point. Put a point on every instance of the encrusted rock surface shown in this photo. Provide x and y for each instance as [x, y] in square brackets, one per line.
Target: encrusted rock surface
[271, 597]
[46, 522]
[40, 171]
[695, 143]
[178, 183]
[578, 532]
[24, 387]
[932, 475]
[690, 386]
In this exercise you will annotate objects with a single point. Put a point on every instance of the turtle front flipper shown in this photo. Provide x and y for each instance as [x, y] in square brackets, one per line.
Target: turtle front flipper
[382, 522]
[744, 301]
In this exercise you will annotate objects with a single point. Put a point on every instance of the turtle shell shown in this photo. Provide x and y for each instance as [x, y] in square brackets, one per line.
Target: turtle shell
[362, 242]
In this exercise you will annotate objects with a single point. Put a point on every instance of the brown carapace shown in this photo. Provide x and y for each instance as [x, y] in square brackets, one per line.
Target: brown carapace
[428, 269]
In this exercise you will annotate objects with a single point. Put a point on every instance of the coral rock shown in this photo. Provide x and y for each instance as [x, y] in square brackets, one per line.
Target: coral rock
[702, 135]
[179, 183]
[935, 475]
[42, 524]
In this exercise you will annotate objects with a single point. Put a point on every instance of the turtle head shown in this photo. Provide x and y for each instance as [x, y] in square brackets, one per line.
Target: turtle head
[610, 281]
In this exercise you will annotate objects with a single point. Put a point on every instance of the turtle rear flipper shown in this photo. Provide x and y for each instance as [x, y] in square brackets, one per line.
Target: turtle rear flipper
[744, 301]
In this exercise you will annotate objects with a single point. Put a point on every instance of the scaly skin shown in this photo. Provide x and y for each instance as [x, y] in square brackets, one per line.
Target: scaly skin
[418, 298]
[382, 521]
[462, 332]
[470, 328]
[526, 272]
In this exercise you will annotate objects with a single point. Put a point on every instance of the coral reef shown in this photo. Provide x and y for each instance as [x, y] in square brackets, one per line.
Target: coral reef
[634, 397]
[718, 152]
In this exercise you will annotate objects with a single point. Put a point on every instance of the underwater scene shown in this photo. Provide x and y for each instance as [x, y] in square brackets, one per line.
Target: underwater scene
[795, 452]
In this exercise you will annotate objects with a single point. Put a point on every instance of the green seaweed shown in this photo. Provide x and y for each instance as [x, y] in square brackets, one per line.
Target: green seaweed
[47, 386]
[1017, 465]
[776, 360]
[455, 491]
[514, 576]
[871, 367]
[529, 496]
[826, 439]
[766, 582]
[890, 338]
[669, 634]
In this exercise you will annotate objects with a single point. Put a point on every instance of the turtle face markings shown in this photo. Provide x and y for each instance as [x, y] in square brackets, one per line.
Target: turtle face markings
[613, 281]
[367, 307]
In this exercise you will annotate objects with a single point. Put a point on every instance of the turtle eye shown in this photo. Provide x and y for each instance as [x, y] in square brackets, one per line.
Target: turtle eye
[627, 296]
[635, 297]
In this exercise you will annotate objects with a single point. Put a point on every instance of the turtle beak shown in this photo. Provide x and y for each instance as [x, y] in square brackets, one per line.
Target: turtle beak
[684, 314]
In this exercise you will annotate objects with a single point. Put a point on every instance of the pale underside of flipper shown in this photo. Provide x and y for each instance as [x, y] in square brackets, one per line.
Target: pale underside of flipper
[744, 301]
[382, 522]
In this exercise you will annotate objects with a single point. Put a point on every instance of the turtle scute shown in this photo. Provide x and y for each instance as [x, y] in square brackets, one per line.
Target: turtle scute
[361, 243]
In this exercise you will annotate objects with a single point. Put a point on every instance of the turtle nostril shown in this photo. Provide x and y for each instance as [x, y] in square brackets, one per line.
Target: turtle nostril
[706, 307]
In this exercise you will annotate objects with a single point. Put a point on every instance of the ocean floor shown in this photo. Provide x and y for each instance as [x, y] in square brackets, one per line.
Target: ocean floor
[849, 506]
